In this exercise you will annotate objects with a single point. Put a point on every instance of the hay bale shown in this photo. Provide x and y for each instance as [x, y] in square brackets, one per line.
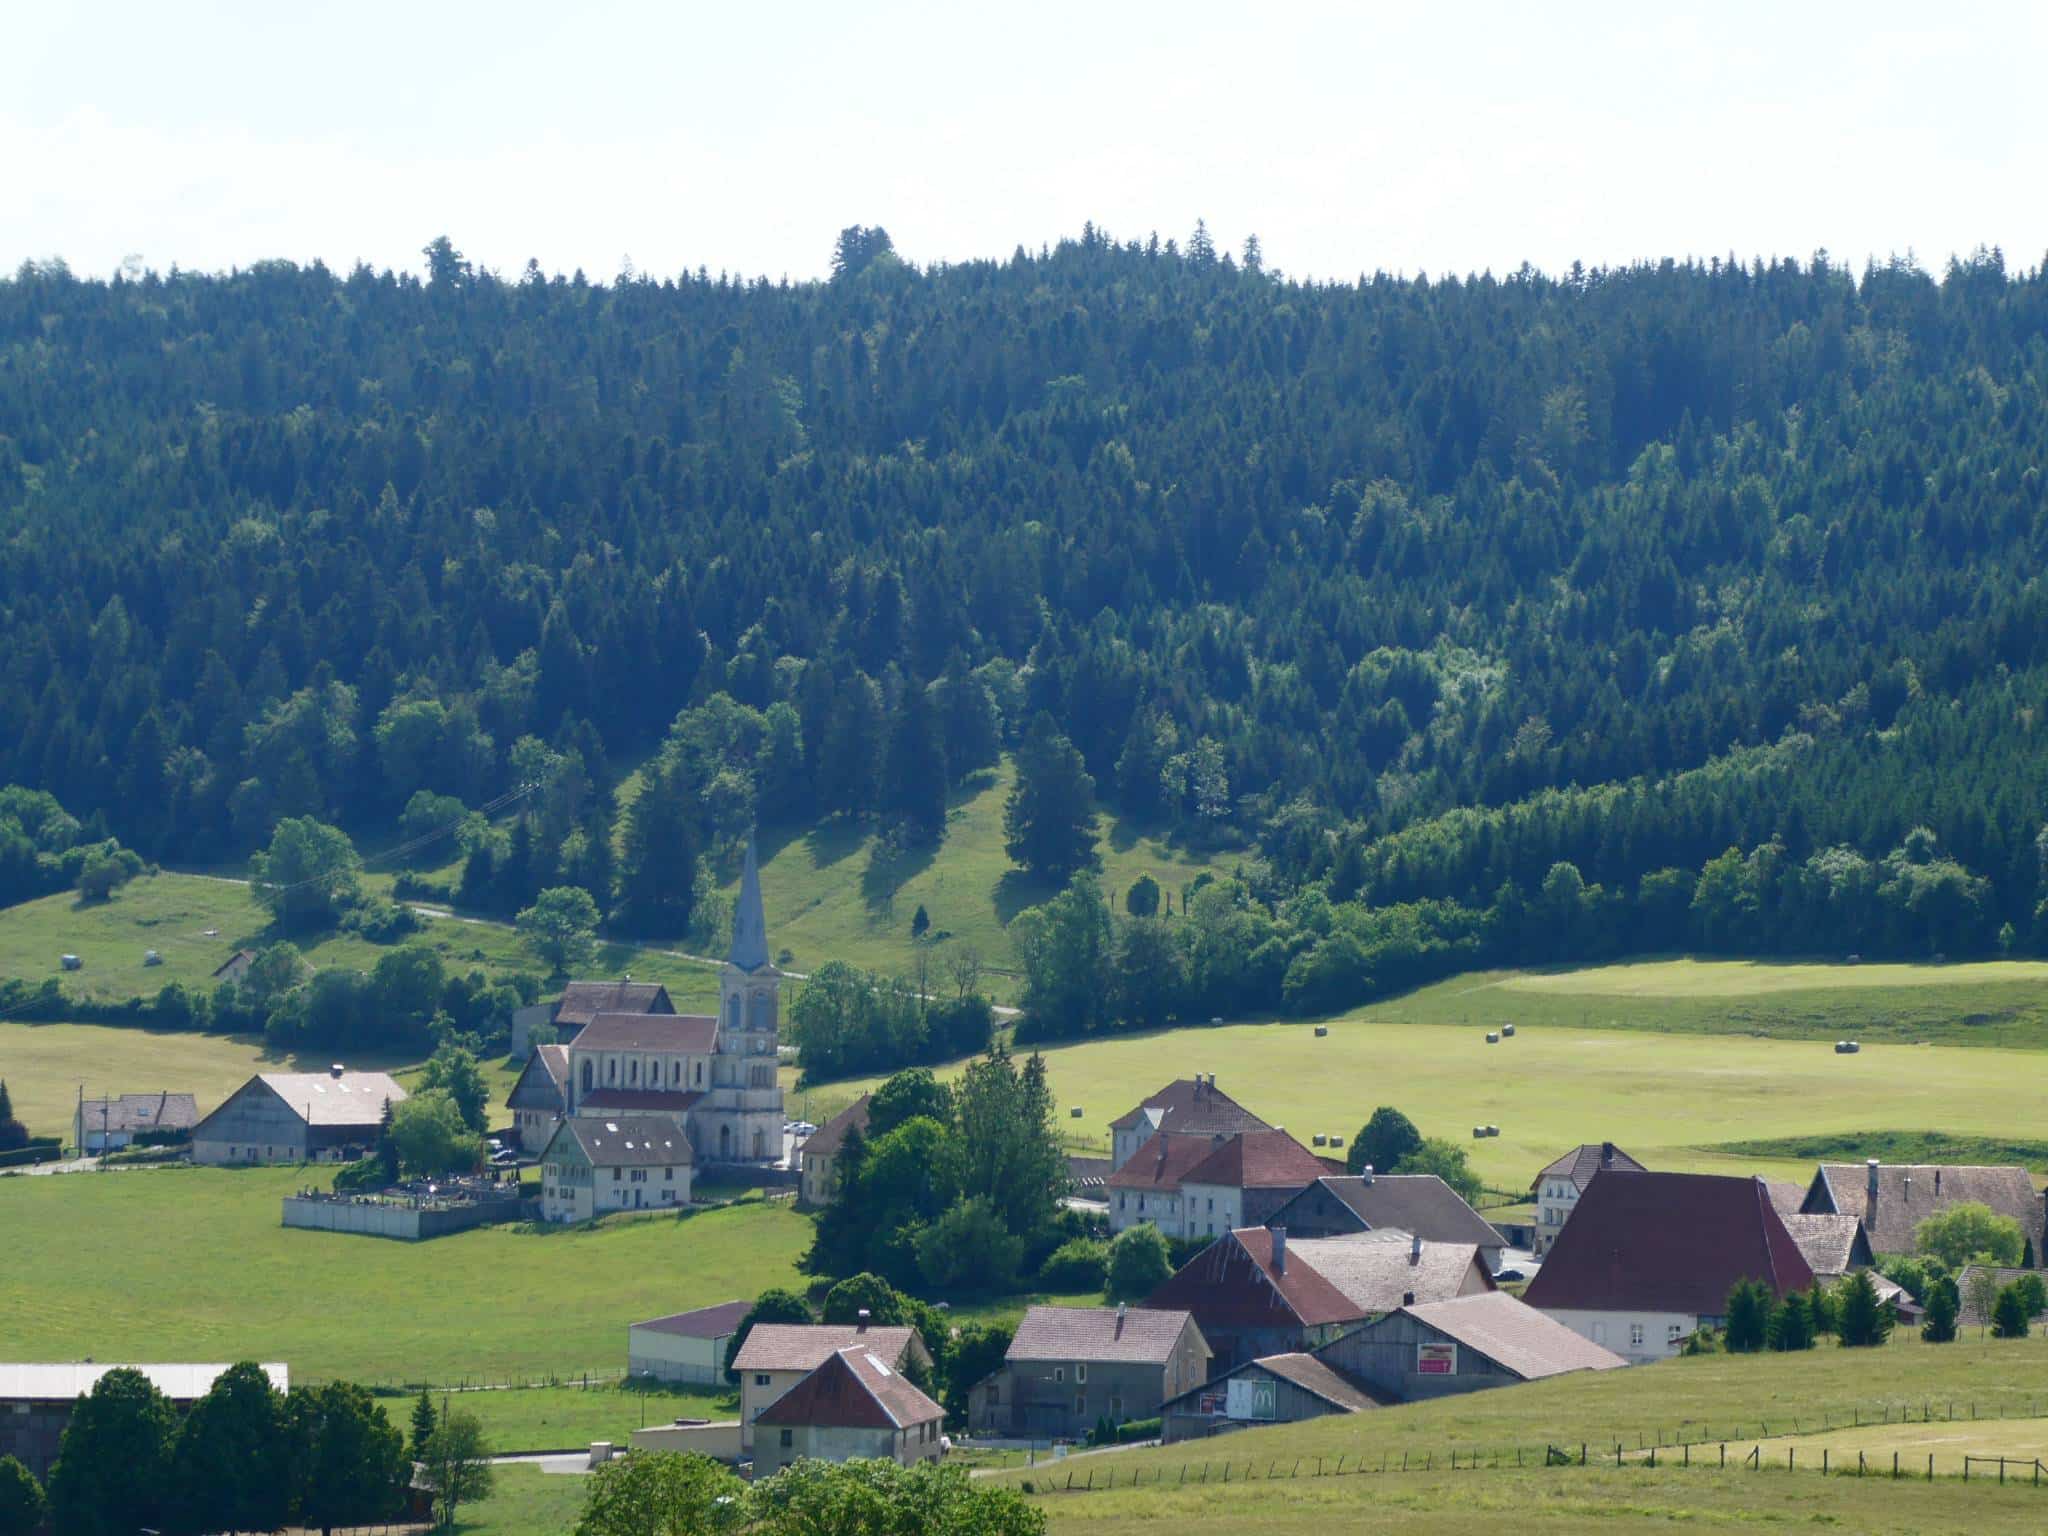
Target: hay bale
[1493, 1037]
[1322, 1030]
[1075, 1111]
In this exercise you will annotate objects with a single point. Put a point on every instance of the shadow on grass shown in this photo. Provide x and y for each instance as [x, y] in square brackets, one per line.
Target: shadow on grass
[834, 840]
[890, 868]
[1019, 889]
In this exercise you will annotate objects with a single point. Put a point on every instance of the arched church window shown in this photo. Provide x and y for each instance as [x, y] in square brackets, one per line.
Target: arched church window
[732, 1013]
[633, 1070]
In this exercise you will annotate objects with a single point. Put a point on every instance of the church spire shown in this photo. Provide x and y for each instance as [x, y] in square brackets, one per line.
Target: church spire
[749, 922]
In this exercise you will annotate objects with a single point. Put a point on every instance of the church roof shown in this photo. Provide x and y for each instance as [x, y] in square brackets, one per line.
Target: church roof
[749, 922]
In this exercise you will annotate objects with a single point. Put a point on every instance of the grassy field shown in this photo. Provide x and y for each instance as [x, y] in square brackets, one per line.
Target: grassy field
[193, 1264]
[1669, 1100]
[832, 893]
[1946, 1441]
[525, 1502]
[570, 1417]
[2002, 1003]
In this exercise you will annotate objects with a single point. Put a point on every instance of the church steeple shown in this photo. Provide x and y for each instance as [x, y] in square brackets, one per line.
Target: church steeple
[749, 922]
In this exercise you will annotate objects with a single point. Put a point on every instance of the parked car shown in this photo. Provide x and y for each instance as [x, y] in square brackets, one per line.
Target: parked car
[1507, 1275]
[805, 1128]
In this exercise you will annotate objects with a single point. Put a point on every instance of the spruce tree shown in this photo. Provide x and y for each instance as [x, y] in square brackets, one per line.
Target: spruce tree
[2009, 1314]
[1943, 1305]
[1862, 1320]
[1049, 820]
[1749, 1316]
[423, 1421]
[914, 771]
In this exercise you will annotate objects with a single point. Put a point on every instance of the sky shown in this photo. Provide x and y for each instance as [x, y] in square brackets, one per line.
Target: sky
[742, 137]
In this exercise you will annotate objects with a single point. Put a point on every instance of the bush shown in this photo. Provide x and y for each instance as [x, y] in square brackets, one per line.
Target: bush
[1943, 1305]
[1138, 1263]
[1079, 1264]
[2009, 1316]
[361, 1177]
[969, 1248]
[383, 922]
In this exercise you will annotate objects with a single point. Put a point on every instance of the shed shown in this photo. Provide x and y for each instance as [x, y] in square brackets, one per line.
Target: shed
[1465, 1344]
[685, 1346]
[1275, 1389]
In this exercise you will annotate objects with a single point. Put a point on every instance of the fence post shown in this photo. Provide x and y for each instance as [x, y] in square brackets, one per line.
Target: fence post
[1930, 1466]
[1790, 1453]
[1582, 1453]
[1724, 1455]
[1685, 1455]
[1823, 1461]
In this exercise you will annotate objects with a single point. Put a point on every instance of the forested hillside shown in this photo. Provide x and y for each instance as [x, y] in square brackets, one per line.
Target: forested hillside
[1419, 588]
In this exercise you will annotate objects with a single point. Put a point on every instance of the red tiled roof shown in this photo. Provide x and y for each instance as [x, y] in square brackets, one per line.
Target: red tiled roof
[1582, 1162]
[1233, 1283]
[693, 1032]
[1257, 1160]
[854, 1389]
[1191, 1108]
[1667, 1242]
[1160, 1166]
[718, 1322]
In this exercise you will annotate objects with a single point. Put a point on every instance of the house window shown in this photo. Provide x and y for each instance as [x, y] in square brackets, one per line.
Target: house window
[1635, 1335]
[668, 1175]
[586, 1074]
[633, 1070]
[611, 1070]
[761, 1381]
[787, 1438]
[1673, 1332]
[615, 1175]
[700, 1072]
[639, 1175]
[1080, 1373]
[1059, 1375]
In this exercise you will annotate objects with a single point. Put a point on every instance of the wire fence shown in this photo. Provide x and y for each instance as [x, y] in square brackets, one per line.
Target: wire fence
[507, 1380]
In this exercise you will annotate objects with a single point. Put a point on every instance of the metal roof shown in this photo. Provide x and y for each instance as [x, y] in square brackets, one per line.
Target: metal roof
[63, 1382]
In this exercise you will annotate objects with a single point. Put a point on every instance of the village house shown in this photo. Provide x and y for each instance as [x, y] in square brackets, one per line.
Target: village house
[1382, 1270]
[37, 1401]
[686, 1346]
[109, 1124]
[1558, 1187]
[713, 1076]
[297, 1117]
[1894, 1198]
[1069, 1367]
[1417, 1203]
[1649, 1258]
[231, 971]
[582, 1001]
[1461, 1344]
[817, 1158]
[1250, 1297]
[629, 1163]
[855, 1405]
[1277, 1389]
[1148, 1185]
[1188, 1107]
[1244, 1182]
[776, 1356]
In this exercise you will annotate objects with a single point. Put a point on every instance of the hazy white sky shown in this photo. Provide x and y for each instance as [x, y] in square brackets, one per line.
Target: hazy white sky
[744, 136]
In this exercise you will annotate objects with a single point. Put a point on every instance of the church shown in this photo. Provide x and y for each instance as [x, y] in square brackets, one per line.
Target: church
[713, 1075]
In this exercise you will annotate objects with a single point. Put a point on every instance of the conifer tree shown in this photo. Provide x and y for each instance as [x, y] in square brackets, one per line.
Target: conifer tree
[1049, 819]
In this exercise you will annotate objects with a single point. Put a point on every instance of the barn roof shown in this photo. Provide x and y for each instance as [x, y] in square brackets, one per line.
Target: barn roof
[1139, 1335]
[718, 1322]
[854, 1388]
[1378, 1271]
[1236, 1282]
[1513, 1334]
[1191, 1106]
[1256, 1160]
[1419, 1203]
[1908, 1193]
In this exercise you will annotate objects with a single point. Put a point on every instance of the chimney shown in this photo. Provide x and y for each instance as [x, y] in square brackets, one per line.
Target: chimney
[1415, 1249]
[1120, 1309]
[1870, 1177]
[1905, 1186]
[862, 1325]
[334, 1071]
[1937, 1183]
[1365, 1173]
[1407, 1298]
[1606, 1154]
[1279, 1250]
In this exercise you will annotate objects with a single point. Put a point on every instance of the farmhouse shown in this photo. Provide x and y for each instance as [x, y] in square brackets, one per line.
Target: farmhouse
[1894, 1198]
[628, 1163]
[714, 1077]
[1250, 1297]
[854, 1405]
[1244, 1182]
[687, 1346]
[297, 1117]
[582, 1001]
[1069, 1367]
[1278, 1389]
[1649, 1258]
[1464, 1344]
[1558, 1187]
[108, 1124]
[1189, 1107]
[818, 1157]
[36, 1401]
[776, 1356]
[1148, 1185]
[1417, 1203]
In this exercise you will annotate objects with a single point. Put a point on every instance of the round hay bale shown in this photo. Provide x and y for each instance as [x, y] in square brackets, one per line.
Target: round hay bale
[1075, 1111]
[1493, 1037]
[1322, 1030]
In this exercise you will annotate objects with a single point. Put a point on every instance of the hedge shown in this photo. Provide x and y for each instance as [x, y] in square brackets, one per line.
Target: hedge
[40, 1149]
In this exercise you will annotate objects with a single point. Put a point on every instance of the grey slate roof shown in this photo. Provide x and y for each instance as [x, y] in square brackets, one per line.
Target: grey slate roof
[583, 1001]
[1417, 1203]
[1190, 1108]
[1582, 1162]
[749, 922]
[1376, 1270]
[1319, 1379]
[1139, 1335]
[626, 1141]
[719, 1322]
[132, 1112]
[1909, 1193]
[320, 1098]
[1514, 1335]
[1828, 1243]
[1968, 1313]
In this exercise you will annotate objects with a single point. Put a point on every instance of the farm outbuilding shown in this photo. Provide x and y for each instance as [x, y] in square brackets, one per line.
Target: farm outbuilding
[298, 1117]
[686, 1346]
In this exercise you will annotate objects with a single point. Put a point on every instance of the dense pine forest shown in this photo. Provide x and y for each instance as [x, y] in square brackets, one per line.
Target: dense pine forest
[1493, 619]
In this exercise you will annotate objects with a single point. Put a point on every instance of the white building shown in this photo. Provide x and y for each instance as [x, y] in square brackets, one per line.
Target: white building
[1558, 1187]
[686, 1346]
[629, 1163]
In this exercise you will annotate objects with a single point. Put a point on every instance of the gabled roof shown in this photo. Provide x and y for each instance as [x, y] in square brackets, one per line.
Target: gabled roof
[133, 1112]
[1786, 1196]
[719, 1322]
[1319, 1379]
[806, 1346]
[1513, 1335]
[1968, 1313]
[1667, 1242]
[855, 1388]
[695, 1033]
[1137, 1335]
[1256, 1160]
[539, 1084]
[1234, 1283]
[625, 1141]
[829, 1137]
[239, 957]
[1832, 1245]
[650, 1101]
[1191, 1106]
[1160, 1166]
[1909, 1193]
[1582, 1162]
[1378, 1271]
[583, 1001]
[323, 1098]
[1417, 1203]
